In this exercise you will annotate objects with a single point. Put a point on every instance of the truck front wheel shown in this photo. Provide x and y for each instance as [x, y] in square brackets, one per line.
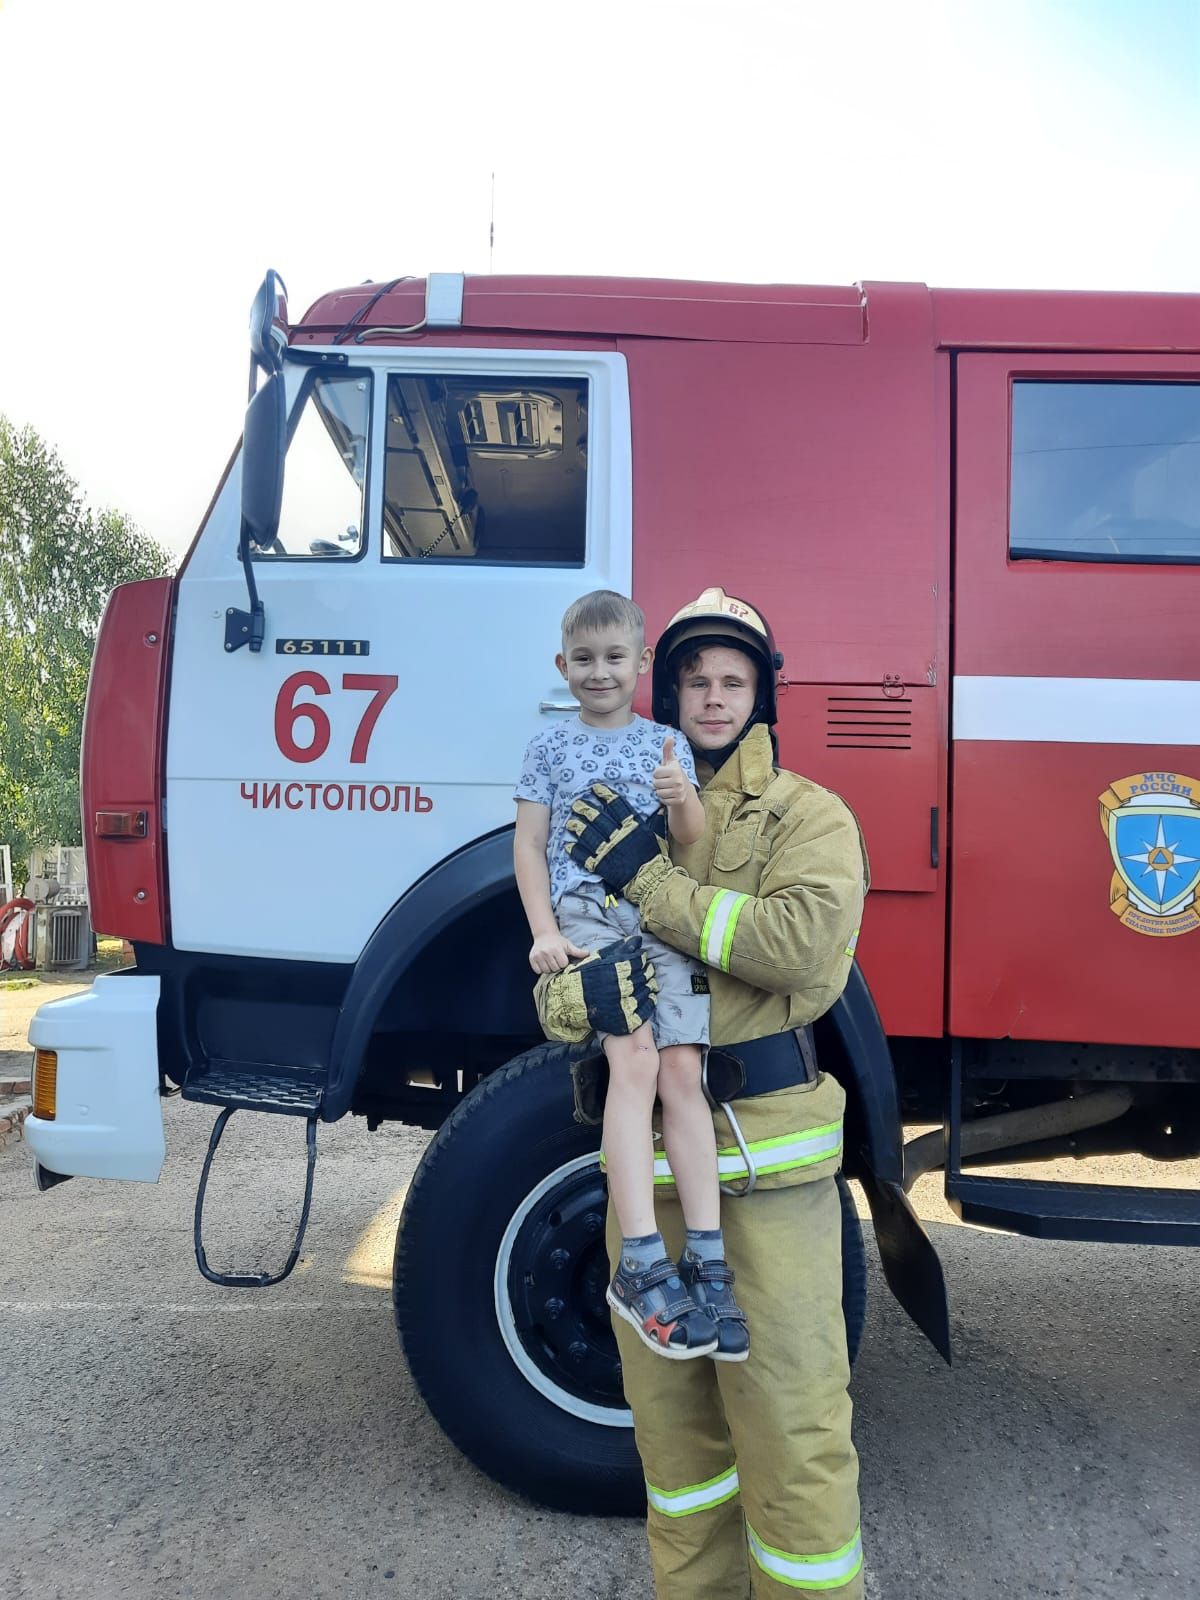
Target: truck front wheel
[498, 1287]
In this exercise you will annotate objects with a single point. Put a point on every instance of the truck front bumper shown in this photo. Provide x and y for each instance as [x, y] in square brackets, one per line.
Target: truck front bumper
[108, 1110]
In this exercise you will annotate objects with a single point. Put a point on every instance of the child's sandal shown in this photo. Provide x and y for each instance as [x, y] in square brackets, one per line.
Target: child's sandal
[661, 1311]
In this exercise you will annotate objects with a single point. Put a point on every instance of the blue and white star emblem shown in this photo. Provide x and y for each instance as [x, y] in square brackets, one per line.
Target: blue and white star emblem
[1157, 852]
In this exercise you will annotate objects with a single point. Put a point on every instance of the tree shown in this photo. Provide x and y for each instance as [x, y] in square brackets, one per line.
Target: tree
[59, 561]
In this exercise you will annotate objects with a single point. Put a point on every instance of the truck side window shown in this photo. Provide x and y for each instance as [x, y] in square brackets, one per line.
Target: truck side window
[1105, 471]
[325, 471]
[490, 469]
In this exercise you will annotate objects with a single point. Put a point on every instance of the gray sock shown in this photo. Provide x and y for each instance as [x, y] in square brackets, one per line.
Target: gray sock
[706, 1244]
[639, 1253]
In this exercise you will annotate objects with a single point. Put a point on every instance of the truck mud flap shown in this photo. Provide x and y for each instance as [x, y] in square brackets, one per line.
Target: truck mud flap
[910, 1263]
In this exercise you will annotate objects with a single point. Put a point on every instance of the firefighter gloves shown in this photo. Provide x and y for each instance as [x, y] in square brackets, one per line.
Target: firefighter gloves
[611, 840]
[613, 991]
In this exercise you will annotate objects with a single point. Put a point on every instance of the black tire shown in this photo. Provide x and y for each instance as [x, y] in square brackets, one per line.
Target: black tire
[468, 1312]
[498, 1289]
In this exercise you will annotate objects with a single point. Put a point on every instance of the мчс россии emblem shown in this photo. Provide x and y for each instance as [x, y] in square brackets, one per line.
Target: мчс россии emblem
[1152, 822]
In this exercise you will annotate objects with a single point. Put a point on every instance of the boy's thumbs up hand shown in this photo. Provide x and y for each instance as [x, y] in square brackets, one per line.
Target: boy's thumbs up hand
[670, 784]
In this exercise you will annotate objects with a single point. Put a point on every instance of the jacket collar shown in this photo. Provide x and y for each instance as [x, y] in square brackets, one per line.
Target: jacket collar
[749, 769]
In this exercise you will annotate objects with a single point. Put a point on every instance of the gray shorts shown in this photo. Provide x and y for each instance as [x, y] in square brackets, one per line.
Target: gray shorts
[681, 1016]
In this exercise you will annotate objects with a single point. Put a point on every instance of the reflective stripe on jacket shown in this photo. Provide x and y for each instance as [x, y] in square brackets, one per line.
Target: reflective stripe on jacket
[810, 1148]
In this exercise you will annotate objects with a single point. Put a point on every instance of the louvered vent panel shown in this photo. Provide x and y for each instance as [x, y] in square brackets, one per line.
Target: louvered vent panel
[868, 722]
[67, 933]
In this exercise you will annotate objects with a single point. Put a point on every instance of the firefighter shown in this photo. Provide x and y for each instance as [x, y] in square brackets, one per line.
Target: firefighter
[751, 1476]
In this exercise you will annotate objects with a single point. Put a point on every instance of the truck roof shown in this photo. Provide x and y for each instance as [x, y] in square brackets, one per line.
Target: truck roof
[665, 308]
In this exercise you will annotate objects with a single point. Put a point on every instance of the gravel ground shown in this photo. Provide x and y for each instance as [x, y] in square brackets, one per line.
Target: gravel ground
[166, 1438]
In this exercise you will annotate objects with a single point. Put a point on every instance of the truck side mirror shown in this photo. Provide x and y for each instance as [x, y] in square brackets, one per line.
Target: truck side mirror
[269, 324]
[264, 442]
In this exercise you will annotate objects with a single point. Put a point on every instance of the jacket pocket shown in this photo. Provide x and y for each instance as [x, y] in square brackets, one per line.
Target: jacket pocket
[736, 847]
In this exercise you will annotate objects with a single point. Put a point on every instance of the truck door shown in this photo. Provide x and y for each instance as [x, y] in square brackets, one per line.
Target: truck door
[441, 509]
[1076, 705]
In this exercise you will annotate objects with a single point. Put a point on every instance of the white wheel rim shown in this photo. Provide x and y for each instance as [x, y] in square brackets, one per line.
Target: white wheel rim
[585, 1410]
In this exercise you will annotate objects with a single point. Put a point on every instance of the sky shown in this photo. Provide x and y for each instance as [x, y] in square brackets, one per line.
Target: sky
[159, 157]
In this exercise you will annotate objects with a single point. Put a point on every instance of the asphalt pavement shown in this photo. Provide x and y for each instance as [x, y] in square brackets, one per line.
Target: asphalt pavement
[163, 1437]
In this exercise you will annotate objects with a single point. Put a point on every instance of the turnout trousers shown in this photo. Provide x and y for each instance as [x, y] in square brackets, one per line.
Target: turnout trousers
[751, 1476]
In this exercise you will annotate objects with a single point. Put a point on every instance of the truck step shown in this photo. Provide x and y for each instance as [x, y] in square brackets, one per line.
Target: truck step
[257, 1086]
[251, 1280]
[1090, 1211]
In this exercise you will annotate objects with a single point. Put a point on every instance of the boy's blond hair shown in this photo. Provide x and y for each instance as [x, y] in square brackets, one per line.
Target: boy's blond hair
[603, 608]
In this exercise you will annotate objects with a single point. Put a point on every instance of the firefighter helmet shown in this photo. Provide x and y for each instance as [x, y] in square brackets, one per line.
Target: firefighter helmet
[715, 618]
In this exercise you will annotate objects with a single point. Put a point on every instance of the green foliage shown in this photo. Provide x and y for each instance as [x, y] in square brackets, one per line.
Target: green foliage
[59, 561]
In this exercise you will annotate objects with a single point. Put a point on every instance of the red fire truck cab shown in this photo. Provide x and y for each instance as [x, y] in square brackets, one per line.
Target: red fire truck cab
[973, 520]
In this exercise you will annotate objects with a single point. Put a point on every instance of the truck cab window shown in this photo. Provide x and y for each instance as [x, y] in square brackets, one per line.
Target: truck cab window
[486, 469]
[325, 472]
[1105, 472]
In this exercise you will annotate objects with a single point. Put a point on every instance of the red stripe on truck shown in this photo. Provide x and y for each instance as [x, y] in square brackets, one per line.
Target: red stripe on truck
[124, 729]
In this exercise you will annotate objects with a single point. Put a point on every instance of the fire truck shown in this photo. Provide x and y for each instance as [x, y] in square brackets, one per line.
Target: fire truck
[973, 519]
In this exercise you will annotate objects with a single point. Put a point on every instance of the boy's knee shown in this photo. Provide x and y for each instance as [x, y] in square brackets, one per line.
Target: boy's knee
[636, 1060]
[678, 1073]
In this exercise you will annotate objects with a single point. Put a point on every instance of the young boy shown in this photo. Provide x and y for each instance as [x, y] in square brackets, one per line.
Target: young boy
[571, 913]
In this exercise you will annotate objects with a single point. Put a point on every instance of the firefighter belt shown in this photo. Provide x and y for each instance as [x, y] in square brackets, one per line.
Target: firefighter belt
[730, 1072]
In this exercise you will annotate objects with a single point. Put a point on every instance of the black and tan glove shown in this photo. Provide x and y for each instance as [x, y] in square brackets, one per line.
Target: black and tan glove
[611, 991]
[611, 840]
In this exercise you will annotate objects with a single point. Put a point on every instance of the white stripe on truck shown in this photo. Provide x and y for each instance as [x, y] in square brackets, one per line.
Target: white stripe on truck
[1077, 710]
